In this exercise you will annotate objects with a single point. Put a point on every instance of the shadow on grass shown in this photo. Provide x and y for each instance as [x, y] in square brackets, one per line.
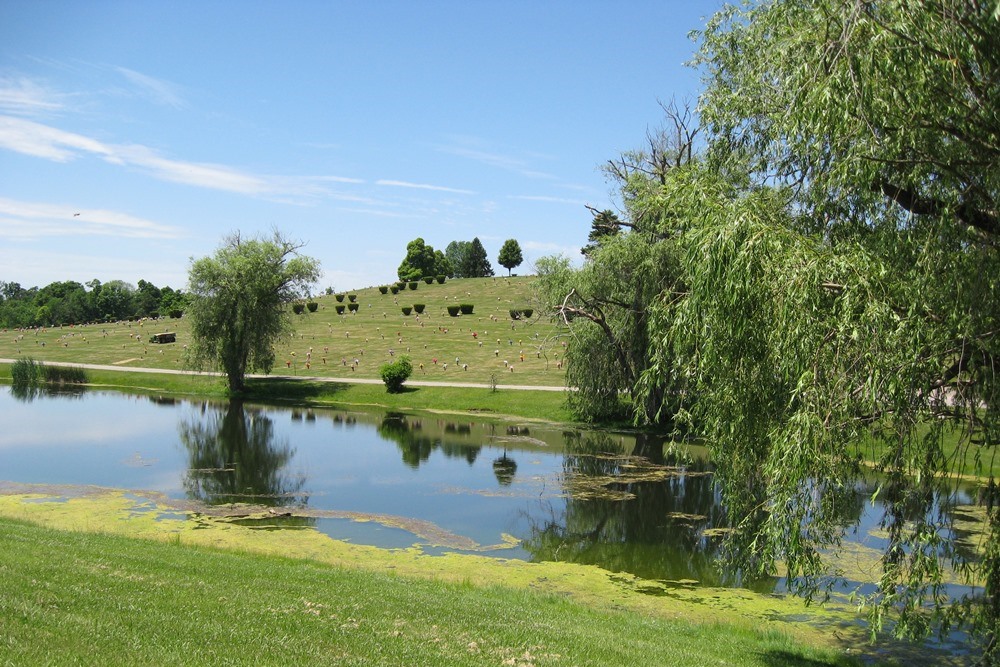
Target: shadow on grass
[290, 389]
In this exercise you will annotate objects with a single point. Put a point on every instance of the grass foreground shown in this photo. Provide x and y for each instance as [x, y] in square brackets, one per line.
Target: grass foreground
[87, 598]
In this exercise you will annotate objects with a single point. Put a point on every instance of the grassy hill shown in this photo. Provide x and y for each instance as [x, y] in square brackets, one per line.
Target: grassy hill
[468, 348]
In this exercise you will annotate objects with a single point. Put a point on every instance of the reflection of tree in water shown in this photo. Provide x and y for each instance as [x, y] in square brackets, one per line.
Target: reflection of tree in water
[505, 468]
[234, 456]
[417, 441]
[29, 394]
[645, 513]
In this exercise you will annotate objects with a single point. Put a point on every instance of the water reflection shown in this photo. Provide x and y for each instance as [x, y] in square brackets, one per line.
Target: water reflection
[234, 456]
[637, 510]
[29, 394]
[417, 445]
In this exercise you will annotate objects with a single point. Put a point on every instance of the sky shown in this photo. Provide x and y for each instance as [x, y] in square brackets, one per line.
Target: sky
[136, 136]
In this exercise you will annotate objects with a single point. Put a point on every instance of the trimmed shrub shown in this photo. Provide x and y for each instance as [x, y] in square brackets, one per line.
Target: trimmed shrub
[340, 309]
[383, 288]
[466, 308]
[352, 297]
[441, 279]
[298, 308]
[394, 289]
[353, 307]
[419, 307]
[515, 314]
[312, 306]
[407, 310]
[527, 312]
[429, 279]
[454, 310]
[340, 297]
[413, 284]
[176, 313]
[395, 374]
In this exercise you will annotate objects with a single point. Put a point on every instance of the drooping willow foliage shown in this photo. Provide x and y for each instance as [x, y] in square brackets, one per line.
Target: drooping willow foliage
[832, 298]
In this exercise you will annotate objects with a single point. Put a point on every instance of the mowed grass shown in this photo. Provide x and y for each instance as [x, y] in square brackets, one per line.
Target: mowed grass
[468, 348]
[83, 598]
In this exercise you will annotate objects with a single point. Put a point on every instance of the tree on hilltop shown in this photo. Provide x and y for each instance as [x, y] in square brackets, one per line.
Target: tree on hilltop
[510, 255]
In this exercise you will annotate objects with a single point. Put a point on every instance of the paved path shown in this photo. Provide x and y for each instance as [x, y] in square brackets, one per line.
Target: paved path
[412, 383]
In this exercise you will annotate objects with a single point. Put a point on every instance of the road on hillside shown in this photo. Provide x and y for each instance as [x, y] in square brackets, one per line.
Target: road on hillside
[412, 383]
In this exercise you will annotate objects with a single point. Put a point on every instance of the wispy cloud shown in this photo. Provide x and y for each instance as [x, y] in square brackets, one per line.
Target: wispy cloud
[31, 220]
[153, 89]
[553, 200]
[24, 96]
[38, 140]
[423, 186]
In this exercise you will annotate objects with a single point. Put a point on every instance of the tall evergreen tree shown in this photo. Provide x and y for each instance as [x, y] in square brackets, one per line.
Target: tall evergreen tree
[476, 264]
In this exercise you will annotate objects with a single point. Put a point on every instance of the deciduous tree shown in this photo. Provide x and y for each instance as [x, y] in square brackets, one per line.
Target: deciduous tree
[510, 255]
[239, 300]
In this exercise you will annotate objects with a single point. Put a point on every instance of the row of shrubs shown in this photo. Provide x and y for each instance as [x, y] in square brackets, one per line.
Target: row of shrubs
[463, 308]
[396, 287]
[417, 307]
[350, 297]
[353, 307]
[299, 308]
[521, 313]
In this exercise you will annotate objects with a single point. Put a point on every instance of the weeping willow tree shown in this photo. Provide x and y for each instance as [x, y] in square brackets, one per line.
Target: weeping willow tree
[833, 302]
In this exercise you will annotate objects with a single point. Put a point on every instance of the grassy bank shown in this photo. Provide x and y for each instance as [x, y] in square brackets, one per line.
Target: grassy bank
[503, 403]
[80, 598]
[350, 345]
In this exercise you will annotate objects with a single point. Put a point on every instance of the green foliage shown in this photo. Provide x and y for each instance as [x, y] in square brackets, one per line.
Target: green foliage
[353, 307]
[238, 303]
[25, 373]
[605, 224]
[441, 278]
[340, 309]
[176, 313]
[413, 284]
[475, 263]
[429, 280]
[394, 374]
[298, 308]
[519, 313]
[312, 306]
[383, 288]
[352, 297]
[454, 311]
[510, 255]
[422, 261]
[419, 307]
[456, 253]
[339, 298]
[407, 310]
[466, 308]
[394, 289]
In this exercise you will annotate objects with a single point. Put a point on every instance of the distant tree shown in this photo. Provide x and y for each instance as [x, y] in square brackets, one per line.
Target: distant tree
[239, 298]
[442, 267]
[147, 299]
[604, 225]
[421, 260]
[510, 255]
[456, 253]
[476, 264]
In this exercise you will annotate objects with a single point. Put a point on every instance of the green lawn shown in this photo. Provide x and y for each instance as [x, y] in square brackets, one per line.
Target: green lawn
[326, 344]
[83, 598]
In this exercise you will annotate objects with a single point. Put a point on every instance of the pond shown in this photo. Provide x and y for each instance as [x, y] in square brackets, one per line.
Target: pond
[617, 500]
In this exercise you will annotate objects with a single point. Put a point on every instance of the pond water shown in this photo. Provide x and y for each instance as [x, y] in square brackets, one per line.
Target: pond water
[616, 500]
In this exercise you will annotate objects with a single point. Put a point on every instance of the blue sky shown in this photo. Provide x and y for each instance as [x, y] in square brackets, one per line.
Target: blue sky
[136, 135]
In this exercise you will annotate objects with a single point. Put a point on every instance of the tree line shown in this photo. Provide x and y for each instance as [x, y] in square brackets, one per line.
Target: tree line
[69, 302]
[460, 259]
